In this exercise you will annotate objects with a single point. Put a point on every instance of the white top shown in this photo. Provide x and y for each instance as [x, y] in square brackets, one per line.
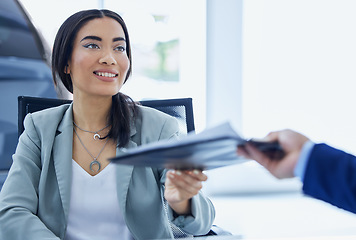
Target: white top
[94, 211]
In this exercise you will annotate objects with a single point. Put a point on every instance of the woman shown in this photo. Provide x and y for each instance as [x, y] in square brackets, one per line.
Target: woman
[61, 185]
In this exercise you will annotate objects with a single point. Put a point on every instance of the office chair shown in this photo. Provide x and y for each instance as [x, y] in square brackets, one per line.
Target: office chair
[181, 109]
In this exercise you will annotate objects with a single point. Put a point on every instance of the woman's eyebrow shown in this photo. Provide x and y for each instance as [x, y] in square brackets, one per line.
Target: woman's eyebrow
[100, 39]
[91, 37]
[118, 39]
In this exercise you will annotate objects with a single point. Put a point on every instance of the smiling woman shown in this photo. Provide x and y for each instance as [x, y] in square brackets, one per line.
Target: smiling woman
[99, 41]
[68, 189]
[174, 30]
[90, 51]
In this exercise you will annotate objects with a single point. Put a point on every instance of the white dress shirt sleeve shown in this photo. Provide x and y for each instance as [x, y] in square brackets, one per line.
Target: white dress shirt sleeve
[300, 167]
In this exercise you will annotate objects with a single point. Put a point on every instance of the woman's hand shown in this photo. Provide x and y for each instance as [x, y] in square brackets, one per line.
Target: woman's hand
[180, 187]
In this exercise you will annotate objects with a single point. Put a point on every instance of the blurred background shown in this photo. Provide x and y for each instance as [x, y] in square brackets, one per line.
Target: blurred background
[261, 65]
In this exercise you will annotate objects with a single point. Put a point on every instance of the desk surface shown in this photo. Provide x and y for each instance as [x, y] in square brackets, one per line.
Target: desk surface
[283, 216]
[298, 238]
[306, 238]
[214, 238]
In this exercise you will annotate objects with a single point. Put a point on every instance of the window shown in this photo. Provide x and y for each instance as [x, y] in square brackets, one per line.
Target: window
[298, 71]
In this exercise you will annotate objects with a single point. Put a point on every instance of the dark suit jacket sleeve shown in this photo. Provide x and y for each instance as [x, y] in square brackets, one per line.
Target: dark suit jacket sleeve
[331, 176]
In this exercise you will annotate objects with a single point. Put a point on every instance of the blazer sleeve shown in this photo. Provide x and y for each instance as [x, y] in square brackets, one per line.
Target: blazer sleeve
[330, 176]
[203, 212]
[18, 219]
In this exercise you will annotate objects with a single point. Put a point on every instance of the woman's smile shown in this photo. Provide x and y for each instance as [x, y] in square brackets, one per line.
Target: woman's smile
[106, 75]
[99, 61]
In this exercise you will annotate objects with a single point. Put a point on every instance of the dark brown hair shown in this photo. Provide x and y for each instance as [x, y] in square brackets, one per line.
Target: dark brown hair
[123, 109]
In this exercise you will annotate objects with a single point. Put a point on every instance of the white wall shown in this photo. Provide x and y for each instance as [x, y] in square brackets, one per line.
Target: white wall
[295, 67]
[299, 68]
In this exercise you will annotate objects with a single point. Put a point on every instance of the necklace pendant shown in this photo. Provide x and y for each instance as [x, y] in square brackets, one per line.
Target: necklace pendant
[95, 162]
[96, 136]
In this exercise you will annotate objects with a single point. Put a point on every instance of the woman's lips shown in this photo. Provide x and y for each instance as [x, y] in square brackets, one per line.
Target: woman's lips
[106, 75]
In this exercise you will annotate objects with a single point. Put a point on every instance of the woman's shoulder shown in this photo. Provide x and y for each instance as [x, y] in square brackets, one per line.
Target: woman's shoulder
[154, 122]
[152, 113]
[46, 119]
[49, 114]
[154, 117]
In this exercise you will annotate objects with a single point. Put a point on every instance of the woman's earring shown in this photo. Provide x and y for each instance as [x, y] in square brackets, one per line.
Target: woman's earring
[66, 69]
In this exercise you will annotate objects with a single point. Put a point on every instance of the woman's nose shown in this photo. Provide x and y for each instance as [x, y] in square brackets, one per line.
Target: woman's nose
[108, 59]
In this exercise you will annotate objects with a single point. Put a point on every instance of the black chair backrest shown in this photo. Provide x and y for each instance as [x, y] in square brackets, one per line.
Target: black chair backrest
[181, 109]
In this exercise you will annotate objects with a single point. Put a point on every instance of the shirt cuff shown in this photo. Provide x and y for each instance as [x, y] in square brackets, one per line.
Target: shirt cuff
[300, 167]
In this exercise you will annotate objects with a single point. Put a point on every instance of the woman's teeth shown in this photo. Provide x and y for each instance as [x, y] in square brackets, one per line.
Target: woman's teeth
[105, 74]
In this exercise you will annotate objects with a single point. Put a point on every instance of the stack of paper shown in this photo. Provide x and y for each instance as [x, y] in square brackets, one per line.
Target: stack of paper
[212, 148]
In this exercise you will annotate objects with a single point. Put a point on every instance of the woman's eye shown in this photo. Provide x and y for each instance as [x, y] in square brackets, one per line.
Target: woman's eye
[120, 48]
[91, 46]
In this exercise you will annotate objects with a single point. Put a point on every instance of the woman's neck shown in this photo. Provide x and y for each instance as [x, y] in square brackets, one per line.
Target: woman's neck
[91, 113]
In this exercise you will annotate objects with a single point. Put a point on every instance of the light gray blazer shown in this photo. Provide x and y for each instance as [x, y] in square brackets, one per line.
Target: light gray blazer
[34, 201]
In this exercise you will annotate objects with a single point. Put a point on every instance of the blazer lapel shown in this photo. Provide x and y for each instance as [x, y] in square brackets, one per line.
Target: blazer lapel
[62, 157]
[124, 173]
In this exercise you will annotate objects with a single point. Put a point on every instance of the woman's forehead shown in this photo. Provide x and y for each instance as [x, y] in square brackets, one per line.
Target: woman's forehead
[102, 27]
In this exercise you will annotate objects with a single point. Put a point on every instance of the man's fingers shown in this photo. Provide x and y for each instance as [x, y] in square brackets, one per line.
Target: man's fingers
[257, 155]
[272, 136]
[241, 150]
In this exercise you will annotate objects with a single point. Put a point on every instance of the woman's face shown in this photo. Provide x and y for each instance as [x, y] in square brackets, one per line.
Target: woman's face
[99, 62]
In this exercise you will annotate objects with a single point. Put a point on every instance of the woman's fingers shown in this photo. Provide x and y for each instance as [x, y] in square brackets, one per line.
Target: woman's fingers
[188, 182]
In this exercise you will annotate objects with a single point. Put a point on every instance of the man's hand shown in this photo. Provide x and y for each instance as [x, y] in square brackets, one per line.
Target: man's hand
[291, 143]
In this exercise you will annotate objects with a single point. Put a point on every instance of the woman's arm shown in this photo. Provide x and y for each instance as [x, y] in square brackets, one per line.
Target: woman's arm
[19, 195]
[189, 209]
